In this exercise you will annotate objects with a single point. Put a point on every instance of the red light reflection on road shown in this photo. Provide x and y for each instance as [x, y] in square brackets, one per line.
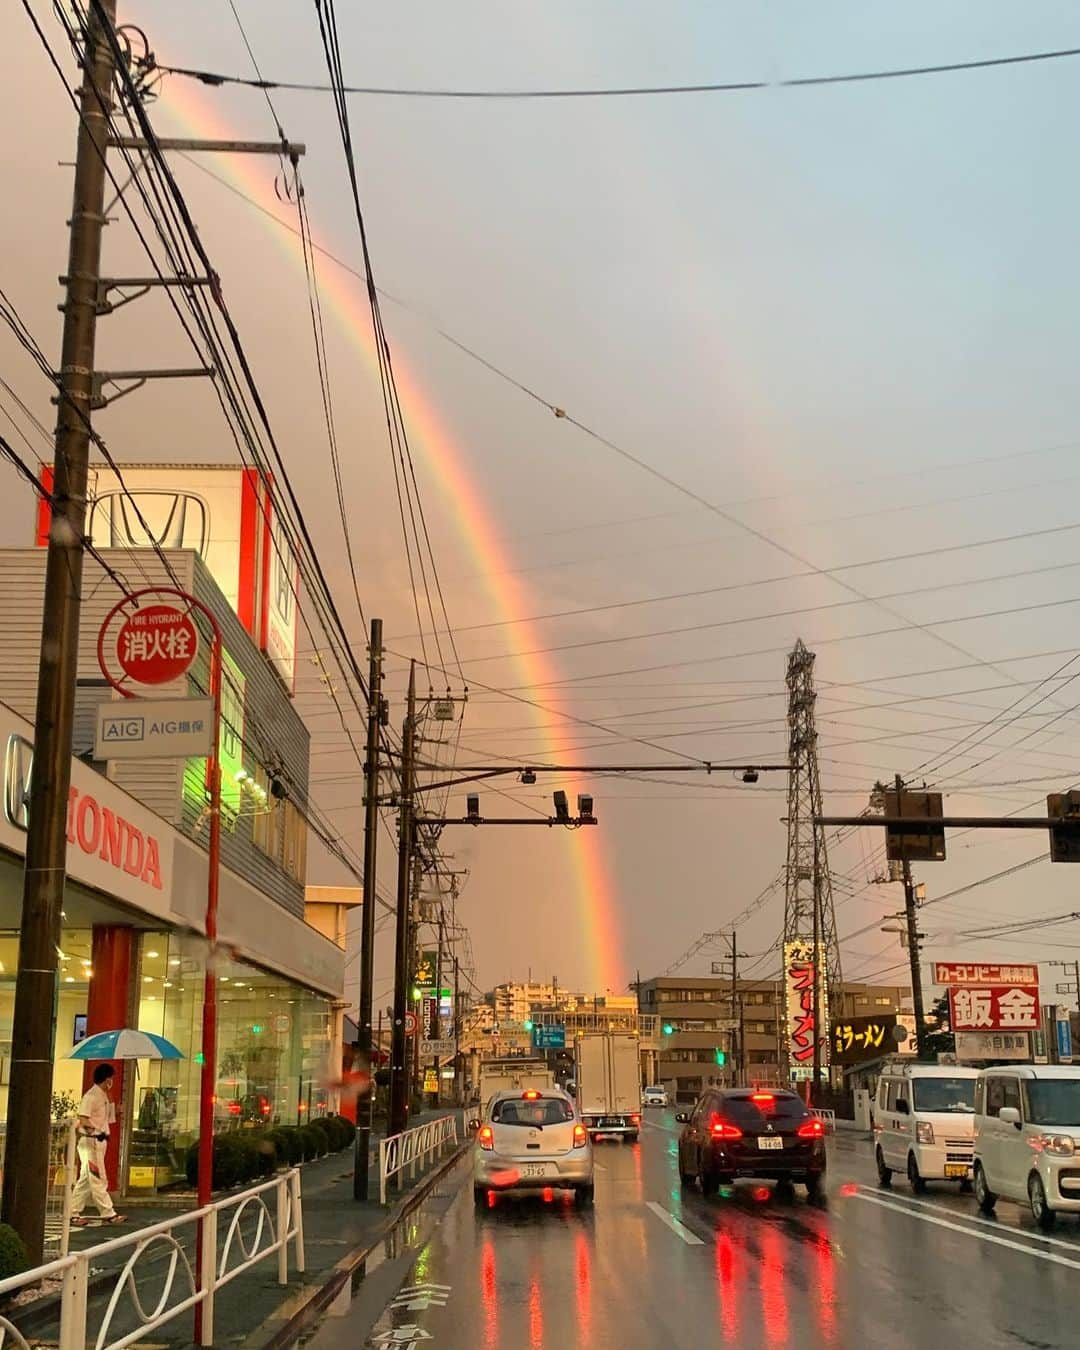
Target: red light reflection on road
[725, 1287]
[583, 1289]
[849, 1188]
[536, 1315]
[761, 1194]
[489, 1295]
[774, 1309]
[826, 1287]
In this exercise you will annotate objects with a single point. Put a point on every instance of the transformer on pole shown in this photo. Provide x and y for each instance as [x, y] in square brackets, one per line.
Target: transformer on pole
[809, 916]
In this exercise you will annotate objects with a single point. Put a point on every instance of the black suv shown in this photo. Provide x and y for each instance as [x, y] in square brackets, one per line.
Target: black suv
[744, 1132]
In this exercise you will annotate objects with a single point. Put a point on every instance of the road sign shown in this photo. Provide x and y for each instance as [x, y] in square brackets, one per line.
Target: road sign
[173, 728]
[1064, 1041]
[410, 1023]
[437, 1049]
[727, 1024]
[924, 841]
[551, 1037]
[157, 644]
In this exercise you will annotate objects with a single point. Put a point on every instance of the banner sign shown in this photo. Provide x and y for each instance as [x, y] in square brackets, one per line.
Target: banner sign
[994, 1008]
[960, 972]
[804, 1023]
[859, 1039]
[1014, 1045]
[173, 728]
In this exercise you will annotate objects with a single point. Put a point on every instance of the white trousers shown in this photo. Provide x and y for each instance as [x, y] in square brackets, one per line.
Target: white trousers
[89, 1187]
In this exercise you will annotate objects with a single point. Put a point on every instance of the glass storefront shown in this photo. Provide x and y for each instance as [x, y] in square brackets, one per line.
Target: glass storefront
[273, 1047]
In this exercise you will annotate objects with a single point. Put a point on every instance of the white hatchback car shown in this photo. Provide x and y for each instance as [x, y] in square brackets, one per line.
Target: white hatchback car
[655, 1095]
[1027, 1138]
[532, 1141]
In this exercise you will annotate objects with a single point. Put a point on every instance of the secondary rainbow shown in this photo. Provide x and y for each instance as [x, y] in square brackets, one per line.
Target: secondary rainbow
[594, 898]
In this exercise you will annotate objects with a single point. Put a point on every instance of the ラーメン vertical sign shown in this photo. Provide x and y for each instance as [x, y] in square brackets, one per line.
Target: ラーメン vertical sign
[804, 1023]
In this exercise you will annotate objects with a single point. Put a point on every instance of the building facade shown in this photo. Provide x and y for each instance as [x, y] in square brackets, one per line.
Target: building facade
[702, 1024]
[133, 951]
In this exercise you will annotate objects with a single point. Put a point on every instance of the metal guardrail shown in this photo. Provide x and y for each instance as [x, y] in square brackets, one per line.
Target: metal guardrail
[250, 1231]
[412, 1148]
[827, 1118]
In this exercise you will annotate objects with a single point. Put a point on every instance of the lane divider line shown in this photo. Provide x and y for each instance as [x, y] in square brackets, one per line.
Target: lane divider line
[681, 1230]
[990, 1223]
[977, 1233]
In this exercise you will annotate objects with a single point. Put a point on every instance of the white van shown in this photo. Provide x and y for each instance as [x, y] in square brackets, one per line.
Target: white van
[1027, 1138]
[924, 1120]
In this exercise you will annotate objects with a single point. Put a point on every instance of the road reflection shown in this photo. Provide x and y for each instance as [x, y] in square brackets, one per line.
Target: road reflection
[774, 1308]
[727, 1294]
[583, 1288]
[489, 1293]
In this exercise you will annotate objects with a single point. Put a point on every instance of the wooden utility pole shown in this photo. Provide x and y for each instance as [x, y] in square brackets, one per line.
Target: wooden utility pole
[399, 1079]
[26, 1164]
[365, 1110]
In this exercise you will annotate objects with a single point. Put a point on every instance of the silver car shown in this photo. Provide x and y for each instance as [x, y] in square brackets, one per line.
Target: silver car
[532, 1141]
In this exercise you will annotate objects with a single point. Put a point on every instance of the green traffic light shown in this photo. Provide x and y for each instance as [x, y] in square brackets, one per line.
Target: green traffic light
[668, 1028]
[721, 1057]
[528, 1025]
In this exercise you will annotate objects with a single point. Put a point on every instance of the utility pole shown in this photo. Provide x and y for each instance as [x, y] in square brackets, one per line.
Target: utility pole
[365, 1111]
[399, 1082]
[457, 1034]
[26, 1165]
[815, 1082]
[436, 1030]
[912, 918]
[736, 1037]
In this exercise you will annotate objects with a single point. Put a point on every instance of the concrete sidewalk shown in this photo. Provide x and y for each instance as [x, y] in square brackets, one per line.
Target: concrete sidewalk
[334, 1225]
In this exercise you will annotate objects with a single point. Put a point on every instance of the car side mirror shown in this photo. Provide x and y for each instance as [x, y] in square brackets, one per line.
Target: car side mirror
[1009, 1115]
[474, 1124]
[682, 1117]
[903, 1107]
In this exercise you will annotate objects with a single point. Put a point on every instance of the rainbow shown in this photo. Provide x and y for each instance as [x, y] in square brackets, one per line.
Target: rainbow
[593, 891]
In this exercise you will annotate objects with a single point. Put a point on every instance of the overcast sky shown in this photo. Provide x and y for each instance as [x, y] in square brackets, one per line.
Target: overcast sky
[843, 314]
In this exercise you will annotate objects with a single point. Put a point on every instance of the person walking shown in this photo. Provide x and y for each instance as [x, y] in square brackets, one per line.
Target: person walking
[95, 1113]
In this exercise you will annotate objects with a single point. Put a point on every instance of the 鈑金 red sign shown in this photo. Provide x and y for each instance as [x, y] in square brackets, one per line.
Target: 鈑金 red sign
[157, 644]
[994, 1008]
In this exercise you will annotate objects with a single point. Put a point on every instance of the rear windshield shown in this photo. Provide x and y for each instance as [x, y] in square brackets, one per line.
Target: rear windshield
[749, 1114]
[1053, 1101]
[944, 1094]
[542, 1111]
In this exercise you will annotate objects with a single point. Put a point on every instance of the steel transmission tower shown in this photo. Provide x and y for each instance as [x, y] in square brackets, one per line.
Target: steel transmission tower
[808, 899]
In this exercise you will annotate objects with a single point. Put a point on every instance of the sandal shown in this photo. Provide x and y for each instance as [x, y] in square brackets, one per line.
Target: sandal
[115, 1218]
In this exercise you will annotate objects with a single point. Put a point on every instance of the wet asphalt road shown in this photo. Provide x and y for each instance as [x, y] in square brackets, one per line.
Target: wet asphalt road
[653, 1266]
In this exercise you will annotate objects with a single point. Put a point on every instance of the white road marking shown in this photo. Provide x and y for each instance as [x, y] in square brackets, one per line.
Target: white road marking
[996, 1223]
[971, 1232]
[679, 1229]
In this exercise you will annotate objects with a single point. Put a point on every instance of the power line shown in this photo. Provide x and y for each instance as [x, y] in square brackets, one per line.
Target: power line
[625, 91]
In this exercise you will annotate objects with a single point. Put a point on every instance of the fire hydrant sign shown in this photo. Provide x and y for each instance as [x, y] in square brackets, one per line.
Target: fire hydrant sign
[172, 728]
[157, 644]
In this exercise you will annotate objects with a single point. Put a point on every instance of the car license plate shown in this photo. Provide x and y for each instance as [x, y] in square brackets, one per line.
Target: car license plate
[770, 1141]
[534, 1169]
[957, 1169]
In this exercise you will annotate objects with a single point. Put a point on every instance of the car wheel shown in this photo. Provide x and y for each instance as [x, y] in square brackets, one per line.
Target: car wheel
[914, 1176]
[1041, 1212]
[710, 1182]
[814, 1184]
[686, 1178]
[965, 1186]
[884, 1174]
[632, 1138]
[984, 1196]
[583, 1196]
[480, 1197]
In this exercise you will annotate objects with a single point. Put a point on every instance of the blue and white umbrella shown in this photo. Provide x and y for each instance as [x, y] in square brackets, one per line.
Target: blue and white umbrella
[125, 1044]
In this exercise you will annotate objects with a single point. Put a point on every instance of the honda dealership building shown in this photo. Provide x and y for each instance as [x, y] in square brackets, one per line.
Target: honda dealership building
[133, 951]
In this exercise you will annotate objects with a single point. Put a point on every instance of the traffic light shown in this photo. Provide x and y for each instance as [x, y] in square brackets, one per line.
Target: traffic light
[721, 1057]
[528, 1024]
[668, 1028]
[1064, 838]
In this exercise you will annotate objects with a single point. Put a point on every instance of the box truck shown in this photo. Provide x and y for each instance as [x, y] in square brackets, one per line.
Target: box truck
[607, 1076]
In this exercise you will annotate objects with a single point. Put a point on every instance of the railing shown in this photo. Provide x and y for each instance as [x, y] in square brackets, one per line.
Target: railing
[254, 1224]
[412, 1148]
[61, 1180]
[827, 1118]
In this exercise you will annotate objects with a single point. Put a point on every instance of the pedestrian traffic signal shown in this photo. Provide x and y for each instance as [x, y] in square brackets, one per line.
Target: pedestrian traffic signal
[721, 1057]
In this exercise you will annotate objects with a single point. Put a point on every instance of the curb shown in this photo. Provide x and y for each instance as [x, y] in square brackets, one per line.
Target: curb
[312, 1309]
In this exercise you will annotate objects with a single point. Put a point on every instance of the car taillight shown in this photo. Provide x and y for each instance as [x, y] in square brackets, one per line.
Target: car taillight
[811, 1129]
[723, 1129]
[635, 1120]
[762, 1097]
[486, 1137]
[531, 1095]
[581, 1136]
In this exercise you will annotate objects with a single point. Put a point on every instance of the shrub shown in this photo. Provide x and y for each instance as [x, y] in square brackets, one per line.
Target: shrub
[291, 1149]
[348, 1130]
[314, 1142]
[336, 1132]
[318, 1127]
[13, 1256]
[265, 1153]
[231, 1161]
[280, 1140]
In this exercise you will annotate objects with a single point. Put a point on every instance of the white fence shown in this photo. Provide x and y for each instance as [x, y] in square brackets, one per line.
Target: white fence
[827, 1118]
[413, 1148]
[252, 1225]
[61, 1180]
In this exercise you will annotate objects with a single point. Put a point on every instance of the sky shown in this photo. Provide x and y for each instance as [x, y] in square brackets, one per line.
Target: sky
[841, 315]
